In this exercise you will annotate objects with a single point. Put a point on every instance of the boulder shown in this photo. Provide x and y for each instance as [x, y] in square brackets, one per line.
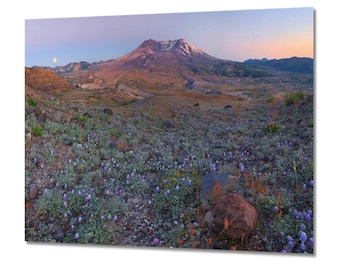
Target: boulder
[216, 184]
[231, 217]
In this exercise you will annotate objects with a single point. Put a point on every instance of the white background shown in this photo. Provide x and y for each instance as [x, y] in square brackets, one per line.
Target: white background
[17, 254]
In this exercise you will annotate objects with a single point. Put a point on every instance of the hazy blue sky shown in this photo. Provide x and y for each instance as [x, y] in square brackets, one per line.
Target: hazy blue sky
[231, 35]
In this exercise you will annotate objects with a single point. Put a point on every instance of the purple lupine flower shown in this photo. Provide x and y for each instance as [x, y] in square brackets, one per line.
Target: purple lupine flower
[79, 219]
[290, 239]
[175, 222]
[115, 218]
[156, 241]
[76, 236]
[290, 244]
[311, 242]
[302, 247]
[88, 197]
[304, 187]
[302, 236]
[311, 183]
[276, 209]
[177, 188]
[64, 196]
[157, 189]
[241, 167]
[302, 227]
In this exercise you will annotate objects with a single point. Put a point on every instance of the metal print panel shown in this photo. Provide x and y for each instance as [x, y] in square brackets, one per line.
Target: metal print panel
[185, 130]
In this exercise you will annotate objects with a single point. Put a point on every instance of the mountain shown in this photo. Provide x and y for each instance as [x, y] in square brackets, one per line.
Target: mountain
[71, 67]
[158, 65]
[293, 64]
[152, 52]
[171, 67]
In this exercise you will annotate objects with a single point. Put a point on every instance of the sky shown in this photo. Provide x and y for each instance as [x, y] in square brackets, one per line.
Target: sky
[230, 35]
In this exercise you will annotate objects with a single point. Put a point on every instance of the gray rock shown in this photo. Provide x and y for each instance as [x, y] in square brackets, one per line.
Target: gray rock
[228, 183]
[169, 123]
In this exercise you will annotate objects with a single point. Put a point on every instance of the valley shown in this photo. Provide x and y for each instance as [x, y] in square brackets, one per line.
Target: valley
[116, 150]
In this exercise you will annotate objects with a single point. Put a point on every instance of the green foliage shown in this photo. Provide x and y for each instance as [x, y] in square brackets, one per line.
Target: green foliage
[37, 131]
[117, 133]
[127, 102]
[294, 98]
[270, 99]
[31, 101]
[82, 119]
[272, 127]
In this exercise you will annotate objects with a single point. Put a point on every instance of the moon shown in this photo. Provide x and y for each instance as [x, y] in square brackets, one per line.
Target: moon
[55, 60]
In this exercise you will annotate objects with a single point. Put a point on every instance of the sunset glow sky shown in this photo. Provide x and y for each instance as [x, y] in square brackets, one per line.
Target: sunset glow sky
[231, 35]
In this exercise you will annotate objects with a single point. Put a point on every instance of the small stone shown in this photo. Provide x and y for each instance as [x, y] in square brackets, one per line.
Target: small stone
[37, 112]
[32, 191]
[59, 236]
[108, 111]
[119, 144]
[87, 115]
[169, 123]
[68, 142]
[57, 116]
[42, 117]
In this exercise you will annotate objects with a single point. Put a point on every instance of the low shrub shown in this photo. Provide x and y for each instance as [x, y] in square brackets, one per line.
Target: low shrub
[37, 131]
[294, 97]
[272, 127]
[31, 101]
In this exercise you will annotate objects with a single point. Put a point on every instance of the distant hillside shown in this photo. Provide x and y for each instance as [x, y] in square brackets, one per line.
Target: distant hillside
[294, 64]
[45, 80]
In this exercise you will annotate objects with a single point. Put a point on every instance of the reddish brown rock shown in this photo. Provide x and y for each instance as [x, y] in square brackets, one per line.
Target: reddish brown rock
[32, 191]
[232, 217]
[119, 144]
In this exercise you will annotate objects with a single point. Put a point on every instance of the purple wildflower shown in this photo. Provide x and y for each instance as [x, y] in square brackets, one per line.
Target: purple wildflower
[311, 242]
[302, 247]
[76, 236]
[304, 187]
[276, 209]
[302, 236]
[241, 167]
[156, 241]
[88, 197]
